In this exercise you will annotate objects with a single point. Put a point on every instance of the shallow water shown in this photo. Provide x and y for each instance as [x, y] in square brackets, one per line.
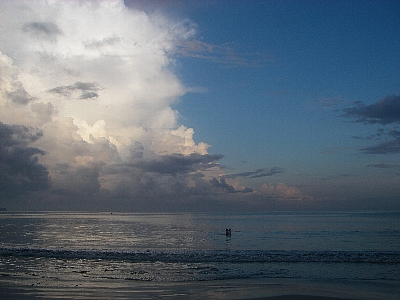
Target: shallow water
[59, 250]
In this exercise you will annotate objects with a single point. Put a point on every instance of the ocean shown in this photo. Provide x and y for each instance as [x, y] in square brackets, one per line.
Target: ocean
[188, 255]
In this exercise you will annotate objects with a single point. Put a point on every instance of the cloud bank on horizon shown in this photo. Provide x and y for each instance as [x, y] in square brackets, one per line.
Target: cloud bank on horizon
[87, 118]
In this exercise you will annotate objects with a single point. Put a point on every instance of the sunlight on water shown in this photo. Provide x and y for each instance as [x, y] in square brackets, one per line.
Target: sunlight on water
[339, 231]
[44, 248]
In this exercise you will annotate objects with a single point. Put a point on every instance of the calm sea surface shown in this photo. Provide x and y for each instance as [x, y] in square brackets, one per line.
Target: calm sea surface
[346, 248]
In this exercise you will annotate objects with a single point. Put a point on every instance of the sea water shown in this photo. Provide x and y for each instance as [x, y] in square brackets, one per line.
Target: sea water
[55, 248]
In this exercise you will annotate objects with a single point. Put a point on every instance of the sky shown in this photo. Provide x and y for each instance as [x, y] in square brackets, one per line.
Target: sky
[176, 105]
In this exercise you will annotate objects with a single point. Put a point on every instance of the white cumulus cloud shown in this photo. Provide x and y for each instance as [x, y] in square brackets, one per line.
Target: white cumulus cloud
[97, 79]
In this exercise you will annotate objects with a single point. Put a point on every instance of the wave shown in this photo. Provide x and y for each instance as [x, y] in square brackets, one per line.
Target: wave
[210, 256]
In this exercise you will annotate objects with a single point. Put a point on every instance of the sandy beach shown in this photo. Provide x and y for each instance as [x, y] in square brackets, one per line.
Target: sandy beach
[46, 288]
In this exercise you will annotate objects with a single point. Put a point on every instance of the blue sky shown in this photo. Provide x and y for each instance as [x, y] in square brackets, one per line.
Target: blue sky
[217, 105]
[285, 111]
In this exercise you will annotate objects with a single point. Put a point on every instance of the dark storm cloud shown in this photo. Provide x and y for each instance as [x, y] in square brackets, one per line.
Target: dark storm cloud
[82, 180]
[383, 112]
[46, 30]
[19, 167]
[257, 173]
[18, 135]
[221, 184]
[62, 168]
[136, 150]
[20, 96]
[179, 164]
[88, 90]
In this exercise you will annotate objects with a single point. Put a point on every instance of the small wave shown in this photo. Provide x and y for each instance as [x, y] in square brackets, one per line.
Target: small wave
[195, 256]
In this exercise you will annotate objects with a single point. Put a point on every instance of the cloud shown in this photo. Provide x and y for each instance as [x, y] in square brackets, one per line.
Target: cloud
[221, 184]
[391, 146]
[17, 135]
[45, 30]
[153, 4]
[224, 54]
[384, 112]
[109, 41]
[11, 88]
[19, 168]
[283, 192]
[273, 171]
[177, 163]
[20, 96]
[257, 173]
[126, 149]
[88, 90]
[221, 54]
[384, 166]
[79, 180]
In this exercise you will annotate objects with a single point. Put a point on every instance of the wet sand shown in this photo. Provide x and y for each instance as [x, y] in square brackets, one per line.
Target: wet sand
[17, 294]
[300, 297]
[220, 290]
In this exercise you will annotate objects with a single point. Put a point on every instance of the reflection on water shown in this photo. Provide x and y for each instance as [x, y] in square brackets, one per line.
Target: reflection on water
[285, 231]
[58, 252]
